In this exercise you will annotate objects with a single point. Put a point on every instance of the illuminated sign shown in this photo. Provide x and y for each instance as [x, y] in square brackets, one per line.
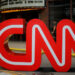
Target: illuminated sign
[7, 4]
[38, 37]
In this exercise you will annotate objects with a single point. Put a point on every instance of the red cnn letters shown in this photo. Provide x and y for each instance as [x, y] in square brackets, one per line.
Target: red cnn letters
[38, 37]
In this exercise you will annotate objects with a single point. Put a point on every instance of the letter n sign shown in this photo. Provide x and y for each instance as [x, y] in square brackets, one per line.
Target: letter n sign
[38, 37]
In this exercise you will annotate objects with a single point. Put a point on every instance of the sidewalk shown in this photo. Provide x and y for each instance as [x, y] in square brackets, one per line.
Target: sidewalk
[45, 68]
[45, 62]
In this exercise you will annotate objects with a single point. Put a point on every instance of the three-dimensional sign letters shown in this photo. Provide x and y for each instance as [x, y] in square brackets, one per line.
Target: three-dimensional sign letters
[38, 37]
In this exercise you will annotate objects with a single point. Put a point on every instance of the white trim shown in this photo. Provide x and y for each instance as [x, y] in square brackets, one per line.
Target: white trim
[6, 60]
[9, 27]
[47, 43]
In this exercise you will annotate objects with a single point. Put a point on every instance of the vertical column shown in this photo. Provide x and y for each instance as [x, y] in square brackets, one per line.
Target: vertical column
[44, 15]
[71, 9]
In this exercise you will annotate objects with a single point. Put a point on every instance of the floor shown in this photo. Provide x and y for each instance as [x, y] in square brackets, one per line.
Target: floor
[45, 68]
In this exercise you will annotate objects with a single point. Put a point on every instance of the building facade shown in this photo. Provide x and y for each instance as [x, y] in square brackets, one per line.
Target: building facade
[49, 11]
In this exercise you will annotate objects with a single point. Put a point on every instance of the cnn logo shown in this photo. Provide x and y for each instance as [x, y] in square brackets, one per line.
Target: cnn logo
[38, 37]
